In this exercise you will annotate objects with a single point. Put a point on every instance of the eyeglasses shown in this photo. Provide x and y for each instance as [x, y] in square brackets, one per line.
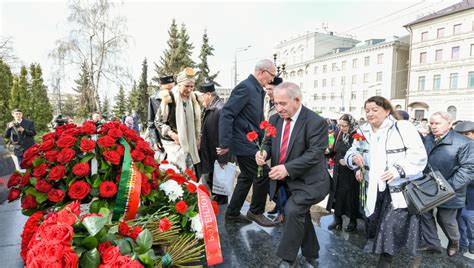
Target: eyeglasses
[342, 126]
[273, 75]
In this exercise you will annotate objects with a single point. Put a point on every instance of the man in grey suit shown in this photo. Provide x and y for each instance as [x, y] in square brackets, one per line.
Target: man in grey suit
[297, 157]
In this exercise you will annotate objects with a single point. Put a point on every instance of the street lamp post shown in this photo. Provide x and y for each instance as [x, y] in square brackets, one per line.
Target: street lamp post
[240, 49]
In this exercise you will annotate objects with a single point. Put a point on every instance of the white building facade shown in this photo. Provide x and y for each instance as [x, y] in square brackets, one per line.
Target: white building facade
[341, 76]
[441, 71]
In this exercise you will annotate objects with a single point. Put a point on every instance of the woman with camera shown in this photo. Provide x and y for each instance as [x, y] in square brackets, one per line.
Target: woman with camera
[387, 154]
[20, 134]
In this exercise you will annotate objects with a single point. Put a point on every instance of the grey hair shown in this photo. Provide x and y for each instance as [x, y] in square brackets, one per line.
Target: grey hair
[264, 64]
[445, 115]
[292, 89]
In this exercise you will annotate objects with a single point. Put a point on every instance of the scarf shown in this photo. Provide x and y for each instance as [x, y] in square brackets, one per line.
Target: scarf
[188, 124]
[378, 162]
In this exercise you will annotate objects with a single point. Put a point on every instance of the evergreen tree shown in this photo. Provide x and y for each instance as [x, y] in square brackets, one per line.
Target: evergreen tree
[203, 67]
[6, 83]
[70, 106]
[121, 103]
[134, 98]
[85, 91]
[168, 65]
[105, 108]
[142, 110]
[19, 97]
[41, 110]
[184, 51]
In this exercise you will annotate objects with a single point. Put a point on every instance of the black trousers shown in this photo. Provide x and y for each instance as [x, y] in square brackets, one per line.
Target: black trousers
[247, 178]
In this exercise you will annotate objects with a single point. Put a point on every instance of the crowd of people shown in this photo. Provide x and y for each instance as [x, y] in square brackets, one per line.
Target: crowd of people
[371, 161]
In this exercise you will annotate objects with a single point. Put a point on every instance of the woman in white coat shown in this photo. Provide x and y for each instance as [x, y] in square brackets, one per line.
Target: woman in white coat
[388, 154]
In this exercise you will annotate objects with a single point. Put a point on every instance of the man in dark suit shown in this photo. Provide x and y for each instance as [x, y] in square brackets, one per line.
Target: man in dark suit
[243, 113]
[297, 157]
[20, 133]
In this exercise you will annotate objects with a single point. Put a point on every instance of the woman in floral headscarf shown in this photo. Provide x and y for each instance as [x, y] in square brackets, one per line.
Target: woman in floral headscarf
[344, 196]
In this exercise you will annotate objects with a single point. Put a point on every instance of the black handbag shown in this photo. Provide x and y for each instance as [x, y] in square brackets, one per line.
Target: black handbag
[424, 194]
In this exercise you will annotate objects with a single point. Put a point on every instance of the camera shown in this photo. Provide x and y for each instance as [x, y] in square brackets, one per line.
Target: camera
[16, 125]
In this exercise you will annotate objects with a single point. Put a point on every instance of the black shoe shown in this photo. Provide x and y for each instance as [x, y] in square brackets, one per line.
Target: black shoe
[471, 248]
[430, 249]
[311, 262]
[351, 227]
[453, 248]
[221, 199]
[237, 219]
[385, 261]
[260, 219]
[336, 224]
[286, 264]
[273, 211]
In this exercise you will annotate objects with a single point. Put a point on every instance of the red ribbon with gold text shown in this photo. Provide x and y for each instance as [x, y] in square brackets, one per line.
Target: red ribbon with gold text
[209, 228]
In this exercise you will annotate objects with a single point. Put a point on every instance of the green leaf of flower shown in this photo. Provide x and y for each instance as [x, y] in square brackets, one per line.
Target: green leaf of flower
[89, 242]
[90, 259]
[94, 224]
[145, 239]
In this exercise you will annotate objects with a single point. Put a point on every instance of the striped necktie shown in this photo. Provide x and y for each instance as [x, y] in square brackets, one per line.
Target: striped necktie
[284, 142]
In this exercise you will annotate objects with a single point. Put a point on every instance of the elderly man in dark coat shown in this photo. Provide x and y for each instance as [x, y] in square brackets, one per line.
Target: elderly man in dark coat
[20, 133]
[210, 136]
[453, 155]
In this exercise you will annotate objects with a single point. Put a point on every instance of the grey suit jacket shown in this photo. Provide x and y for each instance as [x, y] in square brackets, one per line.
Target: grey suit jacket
[308, 176]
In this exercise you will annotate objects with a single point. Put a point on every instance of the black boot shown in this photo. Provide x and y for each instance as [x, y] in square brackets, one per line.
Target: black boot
[352, 226]
[385, 261]
[336, 224]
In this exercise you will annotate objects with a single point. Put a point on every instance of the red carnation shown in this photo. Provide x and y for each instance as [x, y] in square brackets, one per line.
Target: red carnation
[115, 133]
[56, 195]
[124, 229]
[181, 207]
[165, 162]
[137, 156]
[271, 131]
[81, 169]
[150, 161]
[136, 231]
[66, 141]
[204, 189]
[43, 186]
[120, 149]
[102, 247]
[165, 225]
[40, 171]
[14, 180]
[25, 180]
[87, 145]
[264, 124]
[57, 173]
[112, 156]
[47, 145]
[215, 207]
[358, 137]
[191, 187]
[108, 189]
[66, 155]
[252, 135]
[13, 194]
[79, 189]
[29, 202]
[106, 141]
[51, 156]
[180, 179]
[146, 186]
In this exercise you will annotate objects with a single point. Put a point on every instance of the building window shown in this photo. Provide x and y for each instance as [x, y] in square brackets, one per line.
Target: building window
[333, 81]
[455, 53]
[439, 55]
[324, 82]
[380, 58]
[423, 57]
[364, 94]
[440, 33]
[378, 92]
[367, 61]
[379, 76]
[354, 63]
[316, 70]
[334, 67]
[354, 79]
[437, 82]
[366, 78]
[343, 65]
[301, 85]
[343, 81]
[456, 28]
[470, 80]
[323, 96]
[333, 96]
[353, 95]
[352, 109]
[452, 111]
[300, 73]
[424, 36]
[453, 81]
[315, 83]
[421, 83]
[472, 50]
[325, 68]
[315, 96]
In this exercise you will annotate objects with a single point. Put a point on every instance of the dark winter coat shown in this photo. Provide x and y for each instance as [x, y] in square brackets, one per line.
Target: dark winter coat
[21, 140]
[453, 156]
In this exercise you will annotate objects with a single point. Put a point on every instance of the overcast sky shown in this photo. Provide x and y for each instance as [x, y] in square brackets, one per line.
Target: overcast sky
[36, 25]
